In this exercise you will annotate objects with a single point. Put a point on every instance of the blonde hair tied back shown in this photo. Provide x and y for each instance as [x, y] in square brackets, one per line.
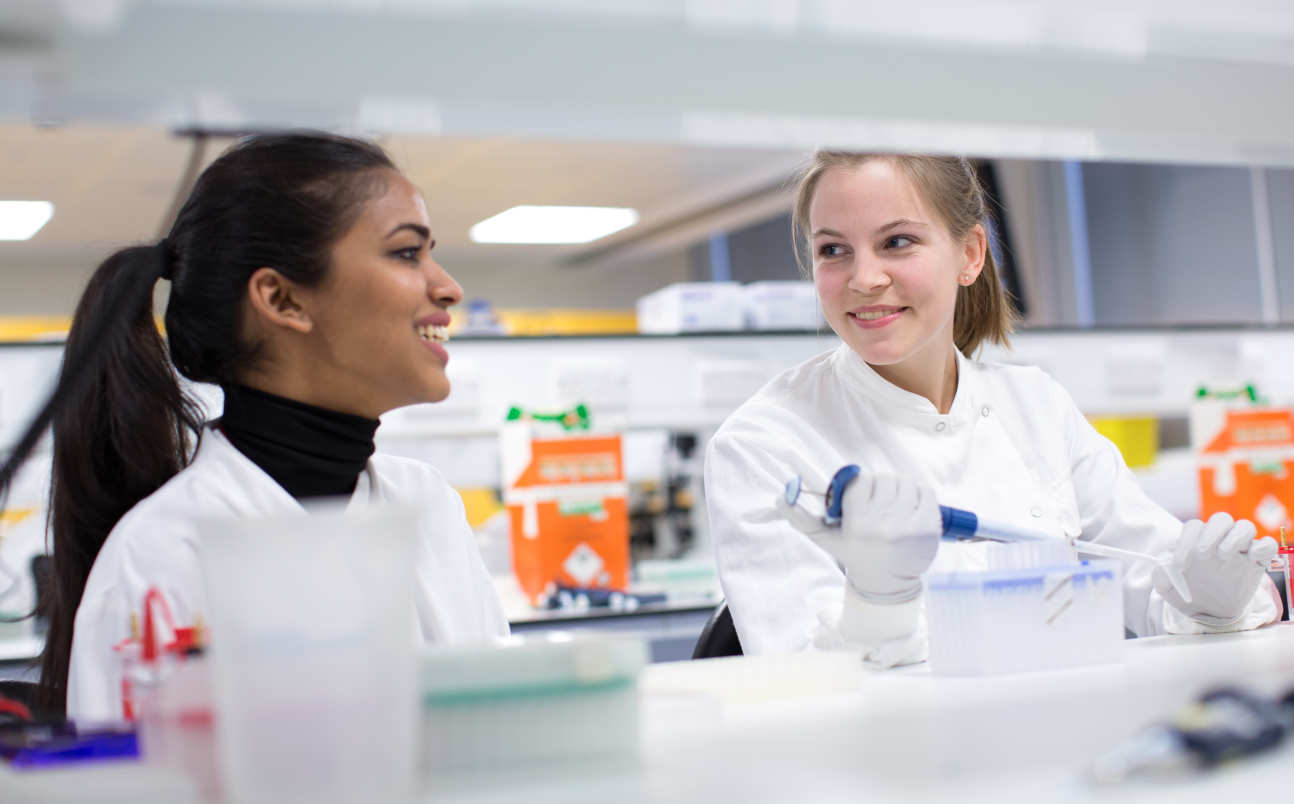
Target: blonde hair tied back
[949, 184]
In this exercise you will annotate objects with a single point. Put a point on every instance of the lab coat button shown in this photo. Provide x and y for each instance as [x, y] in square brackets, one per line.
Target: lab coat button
[1035, 512]
[939, 426]
[984, 410]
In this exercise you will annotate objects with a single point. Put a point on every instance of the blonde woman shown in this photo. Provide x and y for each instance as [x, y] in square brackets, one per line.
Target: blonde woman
[901, 263]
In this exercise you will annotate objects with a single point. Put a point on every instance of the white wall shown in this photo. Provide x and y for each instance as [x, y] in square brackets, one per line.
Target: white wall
[523, 284]
[43, 286]
[1280, 185]
[1172, 244]
[694, 382]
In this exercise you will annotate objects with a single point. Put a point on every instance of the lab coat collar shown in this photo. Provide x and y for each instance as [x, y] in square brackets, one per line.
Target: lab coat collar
[894, 403]
[268, 494]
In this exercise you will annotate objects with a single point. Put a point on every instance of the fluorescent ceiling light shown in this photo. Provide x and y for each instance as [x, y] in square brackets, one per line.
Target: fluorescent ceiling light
[19, 220]
[549, 224]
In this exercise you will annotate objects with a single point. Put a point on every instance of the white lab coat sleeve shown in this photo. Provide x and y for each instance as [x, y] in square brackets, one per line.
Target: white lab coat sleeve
[95, 669]
[455, 598]
[787, 594]
[160, 554]
[492, 614]
[494, 623]
[1114, 510]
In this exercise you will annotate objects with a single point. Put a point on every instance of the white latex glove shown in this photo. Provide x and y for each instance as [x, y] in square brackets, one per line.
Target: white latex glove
[1223, 565]
[888, 535]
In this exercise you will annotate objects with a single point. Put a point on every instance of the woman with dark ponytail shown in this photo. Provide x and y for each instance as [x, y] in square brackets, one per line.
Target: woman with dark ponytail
[302, 283]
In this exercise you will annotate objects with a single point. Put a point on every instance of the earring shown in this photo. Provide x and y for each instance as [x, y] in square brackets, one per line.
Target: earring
[966, 279]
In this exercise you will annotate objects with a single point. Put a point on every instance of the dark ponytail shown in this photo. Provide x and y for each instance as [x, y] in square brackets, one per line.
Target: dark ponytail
[122, 424]
[121, 429]
[120, 432]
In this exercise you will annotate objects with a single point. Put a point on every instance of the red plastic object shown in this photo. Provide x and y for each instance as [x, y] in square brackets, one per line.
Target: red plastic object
[154, 596]
[13, 707]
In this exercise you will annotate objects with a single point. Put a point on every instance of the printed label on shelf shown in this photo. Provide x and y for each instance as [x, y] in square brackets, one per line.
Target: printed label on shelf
[602, 385]
[728, 382]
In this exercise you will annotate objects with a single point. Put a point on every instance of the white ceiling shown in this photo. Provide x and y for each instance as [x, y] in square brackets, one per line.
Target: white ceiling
[691, 111]
[112, 185]
[1157, 80]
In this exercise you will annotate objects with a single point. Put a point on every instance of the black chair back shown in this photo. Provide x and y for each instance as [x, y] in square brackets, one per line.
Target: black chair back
[718, 637]
[23, 692]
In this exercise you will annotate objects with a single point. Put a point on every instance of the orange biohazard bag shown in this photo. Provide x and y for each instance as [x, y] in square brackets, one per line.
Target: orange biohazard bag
[566, 497]
[1245, 455]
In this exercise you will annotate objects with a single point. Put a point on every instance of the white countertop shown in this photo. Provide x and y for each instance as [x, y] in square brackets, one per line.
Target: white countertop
[820, 727]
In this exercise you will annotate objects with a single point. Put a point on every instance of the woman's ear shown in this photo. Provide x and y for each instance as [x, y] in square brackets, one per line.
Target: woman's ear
[976, 247]
[274, 299]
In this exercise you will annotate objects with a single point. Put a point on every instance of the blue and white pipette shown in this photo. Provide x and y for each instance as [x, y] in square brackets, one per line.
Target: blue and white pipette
[962, 525]
[958, 523]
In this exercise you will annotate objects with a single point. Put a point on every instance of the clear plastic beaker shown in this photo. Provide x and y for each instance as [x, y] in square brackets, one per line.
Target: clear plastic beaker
[313, 654]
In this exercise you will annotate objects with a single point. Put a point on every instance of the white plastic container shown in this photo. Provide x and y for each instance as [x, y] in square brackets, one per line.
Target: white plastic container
[531, 700]
[692, 307]
[773, 305]
[1019, 620]
[313, 655]
[176, 730]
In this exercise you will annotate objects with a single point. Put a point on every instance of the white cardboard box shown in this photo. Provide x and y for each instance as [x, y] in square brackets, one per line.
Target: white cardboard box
[692, 307]
[791, 305]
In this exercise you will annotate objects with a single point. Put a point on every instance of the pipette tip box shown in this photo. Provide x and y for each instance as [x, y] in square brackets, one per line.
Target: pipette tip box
[1021, 620]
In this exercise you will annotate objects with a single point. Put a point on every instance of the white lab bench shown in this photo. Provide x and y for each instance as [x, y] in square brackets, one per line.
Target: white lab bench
[820, 727]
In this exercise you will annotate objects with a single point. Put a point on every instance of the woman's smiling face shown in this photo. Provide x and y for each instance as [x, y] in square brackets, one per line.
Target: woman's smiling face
[886, 267]
[381, 313]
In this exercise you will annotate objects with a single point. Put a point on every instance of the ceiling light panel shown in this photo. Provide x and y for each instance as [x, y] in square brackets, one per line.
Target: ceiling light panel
[552, 224]
[20, 220]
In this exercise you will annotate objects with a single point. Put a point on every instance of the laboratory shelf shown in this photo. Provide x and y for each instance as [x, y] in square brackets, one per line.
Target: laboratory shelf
[669, 631]
[560, 617]
[694, 380]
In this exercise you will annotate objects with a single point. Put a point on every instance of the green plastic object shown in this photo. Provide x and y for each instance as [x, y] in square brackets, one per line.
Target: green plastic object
[576, 418]
[1249, 392]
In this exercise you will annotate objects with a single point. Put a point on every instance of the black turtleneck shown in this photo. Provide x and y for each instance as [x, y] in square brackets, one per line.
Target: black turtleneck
[310, 451]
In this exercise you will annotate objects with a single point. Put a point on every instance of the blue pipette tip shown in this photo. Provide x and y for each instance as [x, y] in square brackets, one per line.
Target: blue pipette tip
[793, 487]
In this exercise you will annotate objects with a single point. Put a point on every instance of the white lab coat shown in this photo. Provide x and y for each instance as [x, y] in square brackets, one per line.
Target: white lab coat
[1012, 447]
[155, 544]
